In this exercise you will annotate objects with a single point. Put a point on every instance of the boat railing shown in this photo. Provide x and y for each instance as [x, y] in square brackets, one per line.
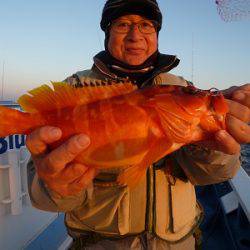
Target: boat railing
[16, 173]
[240, 196]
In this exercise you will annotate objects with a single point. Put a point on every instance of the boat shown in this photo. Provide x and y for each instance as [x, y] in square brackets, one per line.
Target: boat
[21, 225]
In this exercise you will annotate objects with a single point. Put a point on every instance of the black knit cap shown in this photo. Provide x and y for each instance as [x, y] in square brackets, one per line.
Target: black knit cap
[113, 9]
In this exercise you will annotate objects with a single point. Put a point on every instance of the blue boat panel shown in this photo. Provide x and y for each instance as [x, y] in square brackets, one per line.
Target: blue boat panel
[51, 238]
[221, 231]
[215, 234]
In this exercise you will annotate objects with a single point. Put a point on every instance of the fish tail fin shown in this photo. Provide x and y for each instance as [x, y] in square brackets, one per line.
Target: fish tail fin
[15, 122]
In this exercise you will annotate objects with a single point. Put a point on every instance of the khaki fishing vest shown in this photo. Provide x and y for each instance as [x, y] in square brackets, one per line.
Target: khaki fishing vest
[157, 204]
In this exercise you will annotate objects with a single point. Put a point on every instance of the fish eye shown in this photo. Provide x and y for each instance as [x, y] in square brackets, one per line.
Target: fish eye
[214, 91]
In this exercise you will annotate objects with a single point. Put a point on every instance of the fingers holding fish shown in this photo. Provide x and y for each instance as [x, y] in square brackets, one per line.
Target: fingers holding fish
[239, 94]
[238, 132]
[72, 180]
[238, 116]
[230, 92]
[242, 96]
[57, 168]
[84, 181]
[57, 159]
[238, 129]
[38, 140]
[245, 87]
[70, 173]
[75, 187]
[239, 111]
[225, 143]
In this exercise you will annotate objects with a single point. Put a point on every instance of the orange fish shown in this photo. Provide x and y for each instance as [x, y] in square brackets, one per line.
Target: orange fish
[129, 128]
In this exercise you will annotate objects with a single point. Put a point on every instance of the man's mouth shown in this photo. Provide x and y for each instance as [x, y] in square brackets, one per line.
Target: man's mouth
[134, 51]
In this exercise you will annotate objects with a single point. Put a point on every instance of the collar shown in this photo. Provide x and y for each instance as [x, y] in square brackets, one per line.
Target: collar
[114, 71]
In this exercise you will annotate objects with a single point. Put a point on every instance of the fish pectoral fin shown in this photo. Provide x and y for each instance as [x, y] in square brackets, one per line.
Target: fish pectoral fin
[175, 123]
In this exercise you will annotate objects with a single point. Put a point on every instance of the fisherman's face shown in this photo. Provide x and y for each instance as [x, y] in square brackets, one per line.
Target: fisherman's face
[133, 47]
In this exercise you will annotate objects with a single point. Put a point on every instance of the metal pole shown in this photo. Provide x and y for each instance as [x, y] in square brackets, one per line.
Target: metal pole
[2, 81]
[192, 63]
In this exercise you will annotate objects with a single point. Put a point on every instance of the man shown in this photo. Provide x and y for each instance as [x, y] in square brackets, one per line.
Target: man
[161, 211]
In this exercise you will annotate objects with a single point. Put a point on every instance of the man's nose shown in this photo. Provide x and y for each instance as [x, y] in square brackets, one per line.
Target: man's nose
[134, 33]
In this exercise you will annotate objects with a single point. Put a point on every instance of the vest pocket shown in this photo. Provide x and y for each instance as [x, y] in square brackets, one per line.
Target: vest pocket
[102, 208]
[111, 209]
[162, 209]
[183, 204]
[121, 218]
[176, 213]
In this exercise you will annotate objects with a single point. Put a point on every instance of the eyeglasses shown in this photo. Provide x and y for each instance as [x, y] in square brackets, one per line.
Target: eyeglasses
[144, 26]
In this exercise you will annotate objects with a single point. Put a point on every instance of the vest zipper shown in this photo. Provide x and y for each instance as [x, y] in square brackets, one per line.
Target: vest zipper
[171, 218]
[150, 199]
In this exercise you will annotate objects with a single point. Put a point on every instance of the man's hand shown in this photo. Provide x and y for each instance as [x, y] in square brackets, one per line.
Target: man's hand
[57, 168]
[238, 130]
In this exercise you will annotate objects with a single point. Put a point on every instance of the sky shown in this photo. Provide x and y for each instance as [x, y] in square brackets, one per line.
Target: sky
[42, 41]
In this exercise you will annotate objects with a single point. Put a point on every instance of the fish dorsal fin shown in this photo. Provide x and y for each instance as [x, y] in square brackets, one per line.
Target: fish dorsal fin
[62, 95]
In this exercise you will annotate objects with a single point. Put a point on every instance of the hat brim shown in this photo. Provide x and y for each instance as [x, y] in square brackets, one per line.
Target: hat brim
[147, 9]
